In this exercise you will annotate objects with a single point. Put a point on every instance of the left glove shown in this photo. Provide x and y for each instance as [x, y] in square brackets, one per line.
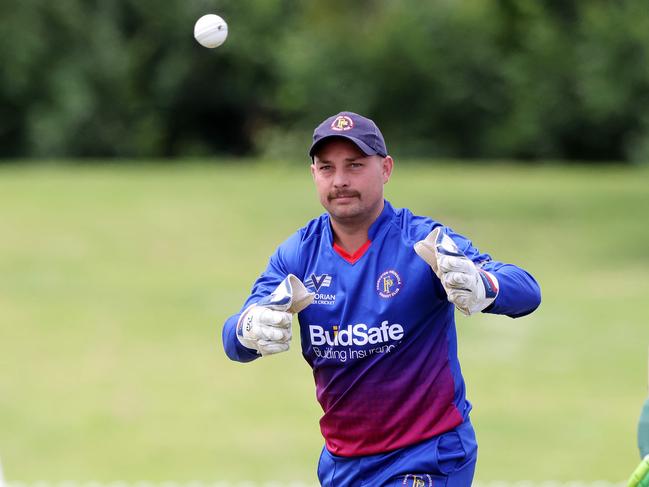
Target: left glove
[468, 287]
[266, 325]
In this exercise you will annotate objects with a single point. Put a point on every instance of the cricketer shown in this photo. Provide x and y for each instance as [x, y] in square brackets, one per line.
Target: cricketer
[375, 289]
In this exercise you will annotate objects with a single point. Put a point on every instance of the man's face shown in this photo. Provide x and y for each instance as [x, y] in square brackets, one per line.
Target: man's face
[349, 183]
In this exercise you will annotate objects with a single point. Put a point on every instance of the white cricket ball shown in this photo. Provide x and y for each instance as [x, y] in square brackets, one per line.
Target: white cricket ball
[210, 30]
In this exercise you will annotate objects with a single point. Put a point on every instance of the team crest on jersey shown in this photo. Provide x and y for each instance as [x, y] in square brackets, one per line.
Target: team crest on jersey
[342, 123]
[317, 284]
[419, 480]
[389, 284]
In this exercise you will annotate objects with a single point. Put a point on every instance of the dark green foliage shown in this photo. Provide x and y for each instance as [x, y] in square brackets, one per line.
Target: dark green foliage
[469, 78]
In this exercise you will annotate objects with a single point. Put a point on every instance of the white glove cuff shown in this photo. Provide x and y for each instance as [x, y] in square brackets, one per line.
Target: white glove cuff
[291, 296]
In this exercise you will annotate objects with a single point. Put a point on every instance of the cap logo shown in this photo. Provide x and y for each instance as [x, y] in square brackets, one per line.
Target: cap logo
[342, 123]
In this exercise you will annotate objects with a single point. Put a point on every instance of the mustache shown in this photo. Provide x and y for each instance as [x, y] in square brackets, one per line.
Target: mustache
[343, 194]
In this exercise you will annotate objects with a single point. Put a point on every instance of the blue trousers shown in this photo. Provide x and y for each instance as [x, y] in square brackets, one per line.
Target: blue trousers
[445, 460]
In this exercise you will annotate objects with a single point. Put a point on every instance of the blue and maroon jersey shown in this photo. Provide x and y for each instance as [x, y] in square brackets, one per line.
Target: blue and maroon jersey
[380, 334]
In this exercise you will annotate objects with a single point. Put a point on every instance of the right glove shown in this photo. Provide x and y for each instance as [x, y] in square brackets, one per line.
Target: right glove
[265, 330]
[266, 325]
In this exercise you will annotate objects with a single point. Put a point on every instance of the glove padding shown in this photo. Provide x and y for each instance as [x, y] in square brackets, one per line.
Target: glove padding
[266, 325]
[468, 287]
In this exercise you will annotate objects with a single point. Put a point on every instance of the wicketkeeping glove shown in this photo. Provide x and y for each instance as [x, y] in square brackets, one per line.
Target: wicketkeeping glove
[266, 325]
[468, 287]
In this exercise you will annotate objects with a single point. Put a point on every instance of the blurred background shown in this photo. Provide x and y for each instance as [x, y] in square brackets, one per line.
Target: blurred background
[474, 78]
[141, 179]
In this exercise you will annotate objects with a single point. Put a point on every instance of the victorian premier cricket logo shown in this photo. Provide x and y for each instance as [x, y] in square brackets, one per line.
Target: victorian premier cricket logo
[321, 284]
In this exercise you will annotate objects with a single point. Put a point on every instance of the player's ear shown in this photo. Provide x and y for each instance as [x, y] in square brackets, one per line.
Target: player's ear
[387, 164]
[313, 169]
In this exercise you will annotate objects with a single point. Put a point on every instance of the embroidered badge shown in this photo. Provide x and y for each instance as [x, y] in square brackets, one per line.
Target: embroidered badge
[389, 284]
[342, 123]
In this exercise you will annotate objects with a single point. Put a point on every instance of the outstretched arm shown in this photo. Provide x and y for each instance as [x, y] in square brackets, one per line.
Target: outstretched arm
[263, 326]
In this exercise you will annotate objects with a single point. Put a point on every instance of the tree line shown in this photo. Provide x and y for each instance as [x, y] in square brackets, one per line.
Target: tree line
[523, 79]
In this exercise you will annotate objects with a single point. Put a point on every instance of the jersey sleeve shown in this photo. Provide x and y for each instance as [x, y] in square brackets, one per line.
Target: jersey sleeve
[518, 292]
[282, 263]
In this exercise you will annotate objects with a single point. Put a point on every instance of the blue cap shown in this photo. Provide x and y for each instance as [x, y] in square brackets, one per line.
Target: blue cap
[354, 127]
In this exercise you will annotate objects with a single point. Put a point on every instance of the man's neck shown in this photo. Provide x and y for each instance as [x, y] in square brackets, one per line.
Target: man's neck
[350, 239]
[352, 235]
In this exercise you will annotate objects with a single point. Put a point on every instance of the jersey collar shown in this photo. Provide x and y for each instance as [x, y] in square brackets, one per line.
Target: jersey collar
[384, 218]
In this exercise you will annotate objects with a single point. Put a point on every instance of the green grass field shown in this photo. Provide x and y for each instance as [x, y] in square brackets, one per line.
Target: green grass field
[115, 280]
